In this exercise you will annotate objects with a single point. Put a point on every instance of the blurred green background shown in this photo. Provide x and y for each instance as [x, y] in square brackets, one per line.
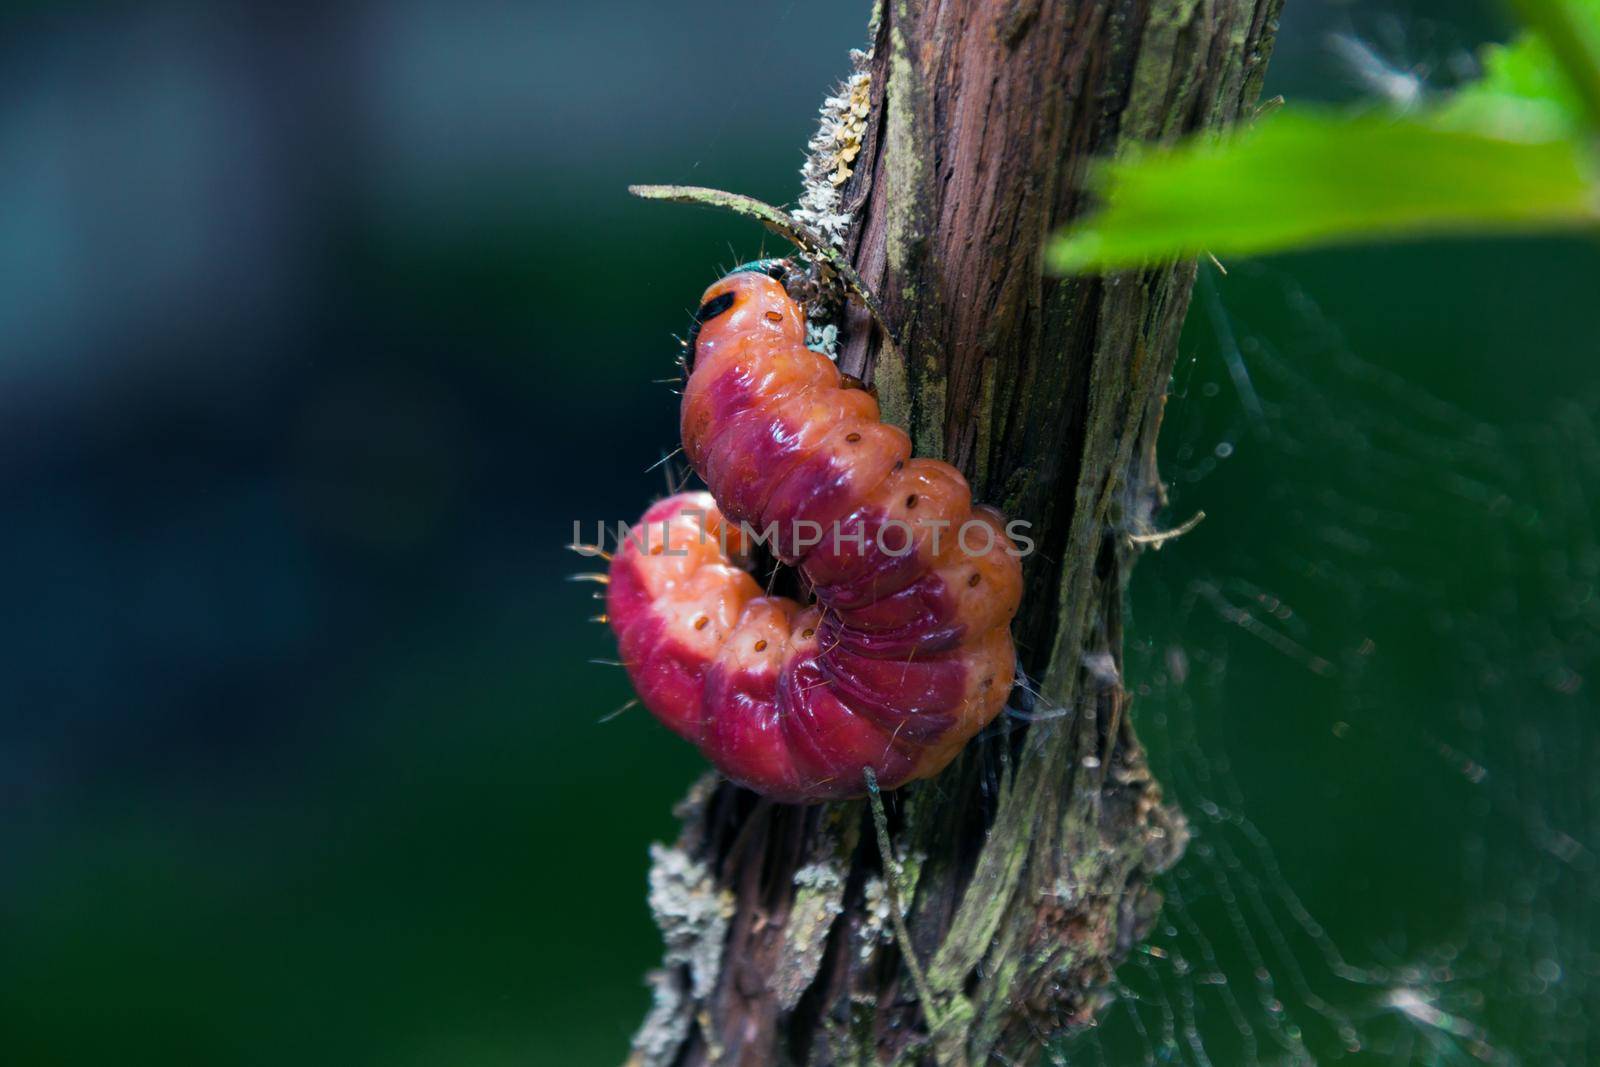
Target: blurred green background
[318, 329]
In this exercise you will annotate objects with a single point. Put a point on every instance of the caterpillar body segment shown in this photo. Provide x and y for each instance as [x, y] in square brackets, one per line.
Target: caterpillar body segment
[905, 652]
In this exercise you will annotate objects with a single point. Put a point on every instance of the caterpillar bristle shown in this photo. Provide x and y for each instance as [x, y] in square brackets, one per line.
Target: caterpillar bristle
[663, 459]
[602, 617]
[606, 662]
[619, 711]
[589, 550]
[603, 579]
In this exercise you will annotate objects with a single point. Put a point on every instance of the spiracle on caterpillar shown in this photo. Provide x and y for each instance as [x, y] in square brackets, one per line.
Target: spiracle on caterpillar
[903, 652]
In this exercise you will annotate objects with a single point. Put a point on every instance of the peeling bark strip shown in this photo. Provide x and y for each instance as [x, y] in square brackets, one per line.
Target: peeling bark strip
[1026, 866]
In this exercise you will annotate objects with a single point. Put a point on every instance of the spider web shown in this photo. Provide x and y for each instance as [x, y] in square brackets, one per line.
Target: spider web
[1364, 679]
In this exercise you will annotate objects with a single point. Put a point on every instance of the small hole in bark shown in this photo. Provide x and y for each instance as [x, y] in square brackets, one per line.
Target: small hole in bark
[911, 501]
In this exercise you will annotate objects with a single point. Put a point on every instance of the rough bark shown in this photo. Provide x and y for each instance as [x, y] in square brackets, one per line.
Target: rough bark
[1027, 866]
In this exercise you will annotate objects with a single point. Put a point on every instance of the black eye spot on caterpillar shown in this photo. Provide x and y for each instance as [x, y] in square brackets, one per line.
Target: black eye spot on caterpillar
[708, 311]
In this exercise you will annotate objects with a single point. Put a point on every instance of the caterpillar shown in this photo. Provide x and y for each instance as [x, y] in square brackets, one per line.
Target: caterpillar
[905, 651]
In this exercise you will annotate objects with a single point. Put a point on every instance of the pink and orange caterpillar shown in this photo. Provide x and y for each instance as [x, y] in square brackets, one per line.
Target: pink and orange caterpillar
[905, 652]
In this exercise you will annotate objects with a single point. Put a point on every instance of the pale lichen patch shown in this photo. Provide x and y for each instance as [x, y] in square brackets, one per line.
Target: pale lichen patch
[832, 153]
[666, 1026]
[831, 158]
[875, 929]
[819, 900]
[692, 912]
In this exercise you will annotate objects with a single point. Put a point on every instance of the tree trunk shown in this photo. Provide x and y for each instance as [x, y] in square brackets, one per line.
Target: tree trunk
[1026, 867]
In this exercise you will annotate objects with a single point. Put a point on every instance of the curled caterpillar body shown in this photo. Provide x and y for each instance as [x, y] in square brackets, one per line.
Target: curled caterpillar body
[906, 653]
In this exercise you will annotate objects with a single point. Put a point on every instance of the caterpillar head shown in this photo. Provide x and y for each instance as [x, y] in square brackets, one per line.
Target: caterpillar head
[776, 269]
[752, 299]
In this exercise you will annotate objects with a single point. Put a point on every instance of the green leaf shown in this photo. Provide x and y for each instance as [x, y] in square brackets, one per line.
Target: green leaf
[1300, 178]
[1512, 151]
[1527, 92]
[1568, 33]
